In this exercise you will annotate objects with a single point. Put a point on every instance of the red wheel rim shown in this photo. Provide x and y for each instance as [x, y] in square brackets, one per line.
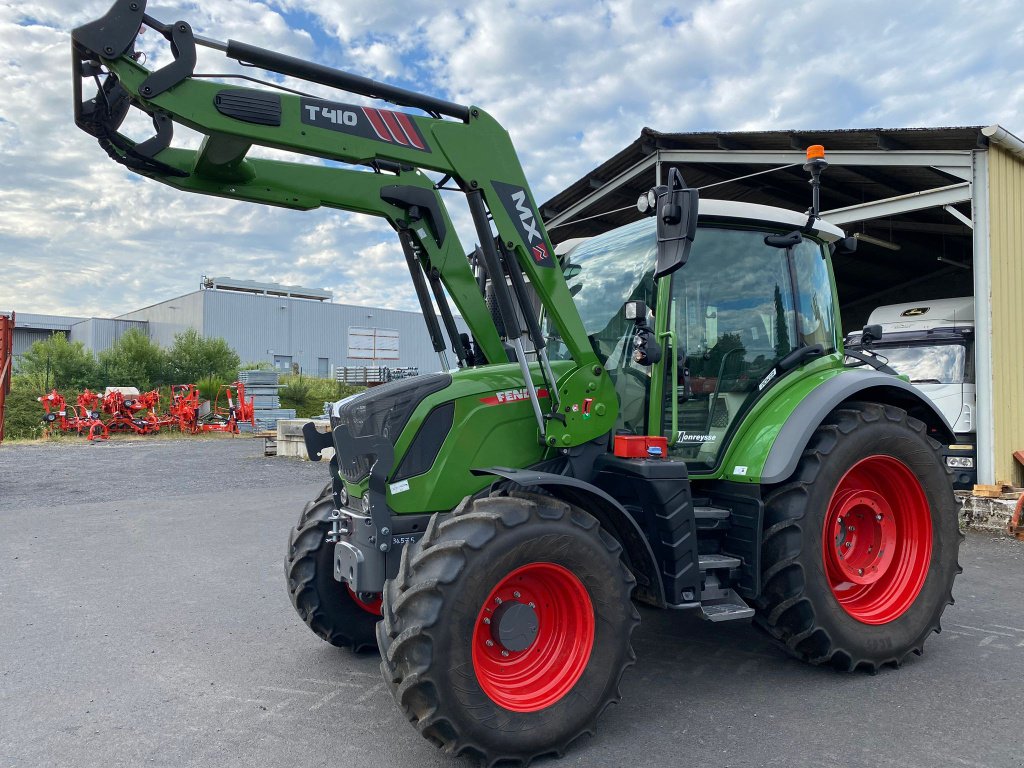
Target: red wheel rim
[877, 540]
[370, 606]
[558, 609]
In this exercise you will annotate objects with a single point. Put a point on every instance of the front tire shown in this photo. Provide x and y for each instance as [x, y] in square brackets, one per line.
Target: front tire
[327, 606]
[860, 546]
[507, 630]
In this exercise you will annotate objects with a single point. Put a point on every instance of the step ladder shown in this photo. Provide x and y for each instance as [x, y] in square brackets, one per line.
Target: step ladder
[718, 601]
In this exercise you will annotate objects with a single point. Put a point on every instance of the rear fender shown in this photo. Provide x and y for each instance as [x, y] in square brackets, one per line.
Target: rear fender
[612, 516]
[874, 387]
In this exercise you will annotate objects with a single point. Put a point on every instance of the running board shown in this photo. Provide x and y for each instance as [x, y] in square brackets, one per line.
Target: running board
[729, 607]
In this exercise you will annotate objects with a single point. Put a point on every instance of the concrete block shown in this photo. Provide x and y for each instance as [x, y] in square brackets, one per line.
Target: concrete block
[291, 443]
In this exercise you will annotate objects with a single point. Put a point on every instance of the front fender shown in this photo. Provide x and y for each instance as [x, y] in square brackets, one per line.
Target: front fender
[612, 516]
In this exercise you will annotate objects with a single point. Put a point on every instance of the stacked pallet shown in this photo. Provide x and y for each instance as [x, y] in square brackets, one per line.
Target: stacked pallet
[368, 376]
[263, 387]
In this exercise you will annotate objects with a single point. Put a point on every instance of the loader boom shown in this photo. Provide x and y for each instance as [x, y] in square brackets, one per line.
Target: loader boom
[388, 154]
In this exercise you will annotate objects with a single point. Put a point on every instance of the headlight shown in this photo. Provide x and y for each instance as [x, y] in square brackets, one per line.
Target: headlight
[960, 462]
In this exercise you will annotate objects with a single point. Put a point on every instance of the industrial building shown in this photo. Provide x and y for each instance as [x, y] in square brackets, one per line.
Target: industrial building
[937, 212]
[291, 327]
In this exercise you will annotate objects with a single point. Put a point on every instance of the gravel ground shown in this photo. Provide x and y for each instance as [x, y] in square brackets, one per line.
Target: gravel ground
[144, 621]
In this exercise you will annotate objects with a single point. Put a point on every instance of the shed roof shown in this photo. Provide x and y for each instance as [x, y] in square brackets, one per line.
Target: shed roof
[867, 165]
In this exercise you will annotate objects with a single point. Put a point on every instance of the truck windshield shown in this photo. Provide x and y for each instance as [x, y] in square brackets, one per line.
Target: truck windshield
[928, 363]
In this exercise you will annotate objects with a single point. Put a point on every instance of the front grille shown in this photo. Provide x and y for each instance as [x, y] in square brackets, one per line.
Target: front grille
[384, 411]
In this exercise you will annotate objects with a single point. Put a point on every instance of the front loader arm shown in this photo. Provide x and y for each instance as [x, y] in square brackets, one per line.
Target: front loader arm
[473, 150]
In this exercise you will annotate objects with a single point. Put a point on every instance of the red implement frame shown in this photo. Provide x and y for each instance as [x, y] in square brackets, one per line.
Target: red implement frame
[70, 418]
[6, 363]
[226, 418]
[184, 408]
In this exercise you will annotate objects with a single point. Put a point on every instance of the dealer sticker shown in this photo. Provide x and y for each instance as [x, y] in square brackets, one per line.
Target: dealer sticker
[739, 470]
[399, 487]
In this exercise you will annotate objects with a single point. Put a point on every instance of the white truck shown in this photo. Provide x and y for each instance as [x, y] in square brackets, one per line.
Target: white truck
[932, 343]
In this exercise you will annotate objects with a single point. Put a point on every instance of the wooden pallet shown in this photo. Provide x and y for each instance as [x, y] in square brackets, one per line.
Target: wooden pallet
[997, 491]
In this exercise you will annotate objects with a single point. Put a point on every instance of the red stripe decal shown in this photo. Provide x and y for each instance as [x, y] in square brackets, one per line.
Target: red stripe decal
[394, 127]
[512, 396]
[378, 125]
[410, 130]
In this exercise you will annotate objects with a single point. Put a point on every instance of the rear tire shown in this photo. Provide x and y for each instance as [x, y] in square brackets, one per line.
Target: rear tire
[507, 630]
[860, 546]
[324, 604]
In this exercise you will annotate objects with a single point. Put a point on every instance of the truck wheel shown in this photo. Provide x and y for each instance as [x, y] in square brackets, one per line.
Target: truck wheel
[860, 546]
[328, 607]
[507, 630]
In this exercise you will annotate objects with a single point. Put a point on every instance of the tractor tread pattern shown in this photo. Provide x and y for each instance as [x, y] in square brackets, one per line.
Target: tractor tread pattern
[437, 559]
[300, 570]
[784, 612]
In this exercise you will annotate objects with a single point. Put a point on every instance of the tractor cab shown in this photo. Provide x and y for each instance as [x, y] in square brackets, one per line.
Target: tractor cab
[751, 304]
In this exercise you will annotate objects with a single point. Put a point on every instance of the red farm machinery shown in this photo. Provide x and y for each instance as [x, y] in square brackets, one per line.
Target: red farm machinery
[127, 411]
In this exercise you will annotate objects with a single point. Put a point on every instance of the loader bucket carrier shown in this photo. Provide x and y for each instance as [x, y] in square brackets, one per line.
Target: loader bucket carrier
[674, 426]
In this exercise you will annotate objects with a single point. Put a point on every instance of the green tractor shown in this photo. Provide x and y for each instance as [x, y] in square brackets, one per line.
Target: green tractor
[658, 415]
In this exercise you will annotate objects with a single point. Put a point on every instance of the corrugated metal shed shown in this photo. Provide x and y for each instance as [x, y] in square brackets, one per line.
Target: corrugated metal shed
[98, 333]
[30, 328]
[171, 317]
[939, 213]
[265, 328]
[1006, 232]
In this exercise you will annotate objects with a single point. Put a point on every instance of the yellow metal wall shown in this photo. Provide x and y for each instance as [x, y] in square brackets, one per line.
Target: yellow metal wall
[1006, 228]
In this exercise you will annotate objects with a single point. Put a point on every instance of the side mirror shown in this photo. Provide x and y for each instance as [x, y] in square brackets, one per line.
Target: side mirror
[871, 333]
[676, 206]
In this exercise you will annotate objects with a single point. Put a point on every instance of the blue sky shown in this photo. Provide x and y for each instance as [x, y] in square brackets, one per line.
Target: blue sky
[573, 82]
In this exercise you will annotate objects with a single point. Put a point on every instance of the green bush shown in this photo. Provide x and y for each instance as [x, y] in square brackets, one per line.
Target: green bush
[57, 362]
[307, 395]
[209, 386]
[192, 357]
[23, 413]
[134, 360]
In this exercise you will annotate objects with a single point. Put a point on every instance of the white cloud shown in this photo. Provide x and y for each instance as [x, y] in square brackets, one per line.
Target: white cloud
[573, 81]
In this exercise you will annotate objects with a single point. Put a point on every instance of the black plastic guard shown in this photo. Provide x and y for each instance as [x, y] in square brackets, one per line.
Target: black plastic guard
[113, 34]
[349, 449]
[316, 441]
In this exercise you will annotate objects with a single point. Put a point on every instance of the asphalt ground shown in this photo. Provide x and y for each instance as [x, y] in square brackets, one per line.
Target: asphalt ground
[144, 622]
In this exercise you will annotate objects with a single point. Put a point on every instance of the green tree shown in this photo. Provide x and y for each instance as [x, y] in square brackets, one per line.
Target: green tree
[134, 361]
[193, 357]
[57, 362]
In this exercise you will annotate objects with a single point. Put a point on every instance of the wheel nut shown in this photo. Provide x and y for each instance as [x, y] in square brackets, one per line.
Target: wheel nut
[516, 595]
[878, 518]
[488, 643]
[852, 529]
[486, 620]
[531, 605]
[504, 653]
[497, 600]
[849, 544]
[840, 521]
[860, 571]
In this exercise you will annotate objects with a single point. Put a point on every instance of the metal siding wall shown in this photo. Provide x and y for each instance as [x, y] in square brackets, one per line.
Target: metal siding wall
[1006, 203]
[100, 333]
[170, 317]
[259, 327]
[26, 337]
